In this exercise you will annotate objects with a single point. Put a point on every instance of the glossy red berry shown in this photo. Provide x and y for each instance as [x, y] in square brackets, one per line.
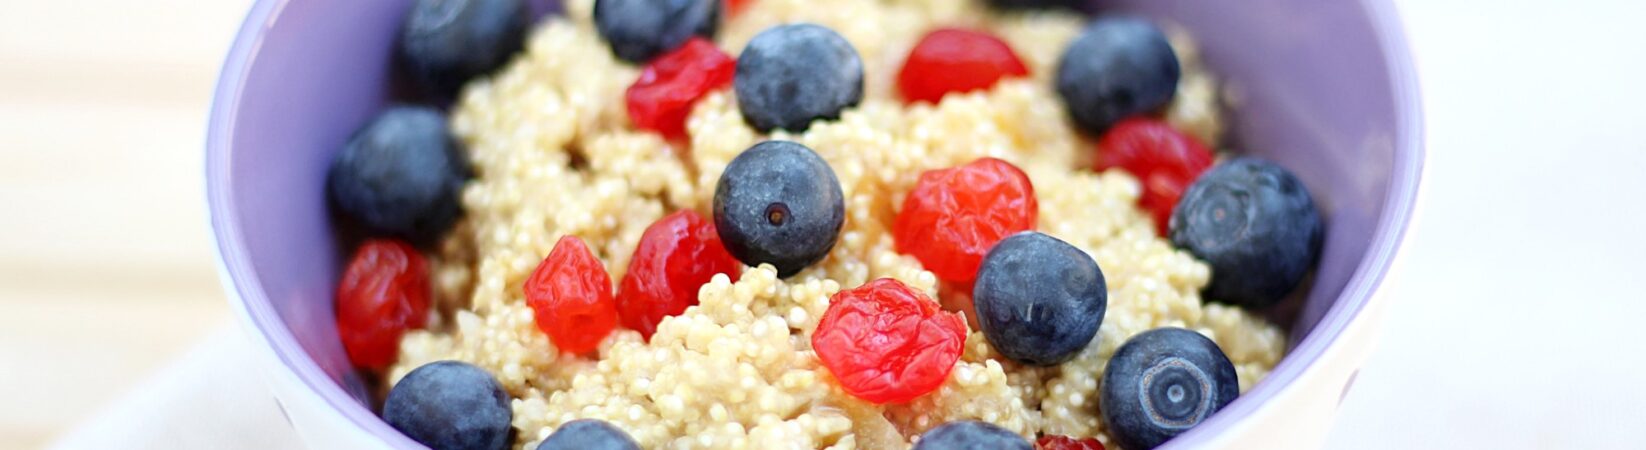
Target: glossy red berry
[1054, 442]
[735, 7]
[383, 293]
[677, 255]
[888, 343]
[571, 297]
[1163, 159]
[952, 216]
[669, 85]
[955, 60]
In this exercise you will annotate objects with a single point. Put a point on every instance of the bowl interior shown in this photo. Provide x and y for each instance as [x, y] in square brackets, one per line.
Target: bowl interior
[1323, 87]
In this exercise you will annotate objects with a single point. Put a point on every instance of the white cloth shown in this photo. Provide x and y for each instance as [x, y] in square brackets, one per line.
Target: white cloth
[210, 398]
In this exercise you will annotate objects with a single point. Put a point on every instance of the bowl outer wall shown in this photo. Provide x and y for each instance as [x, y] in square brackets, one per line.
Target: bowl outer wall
[320, 395]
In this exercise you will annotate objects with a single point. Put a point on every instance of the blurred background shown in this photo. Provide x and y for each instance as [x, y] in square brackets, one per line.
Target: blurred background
[1514, 324]
[106, 272]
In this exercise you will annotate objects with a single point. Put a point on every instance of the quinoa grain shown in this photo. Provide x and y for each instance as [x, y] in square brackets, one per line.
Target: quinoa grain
[555, 155]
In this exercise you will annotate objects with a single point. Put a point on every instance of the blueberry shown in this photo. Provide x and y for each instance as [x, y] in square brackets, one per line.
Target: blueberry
[1161, 383]
[790, 75]
[447, 42]
[779, 203]
[588, 434]
[1118, 67]
[1255, 224]
[450, 405]
[971, 435]
[400, 175]
[639, 30]
[1039, 300]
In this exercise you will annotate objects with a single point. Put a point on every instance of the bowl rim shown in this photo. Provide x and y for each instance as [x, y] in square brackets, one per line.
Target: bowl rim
[244, 288]
[1394, 223]
[247, 297]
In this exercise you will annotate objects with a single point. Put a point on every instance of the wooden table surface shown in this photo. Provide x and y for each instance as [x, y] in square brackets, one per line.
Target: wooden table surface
[106, 269]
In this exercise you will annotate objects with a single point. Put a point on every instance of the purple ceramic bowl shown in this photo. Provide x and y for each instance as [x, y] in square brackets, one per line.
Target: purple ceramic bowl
[1325, 87]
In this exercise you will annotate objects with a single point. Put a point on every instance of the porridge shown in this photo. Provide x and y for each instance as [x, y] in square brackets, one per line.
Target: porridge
[554, 153]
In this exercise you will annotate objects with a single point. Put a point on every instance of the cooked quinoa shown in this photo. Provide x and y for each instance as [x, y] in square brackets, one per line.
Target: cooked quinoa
[555, 155]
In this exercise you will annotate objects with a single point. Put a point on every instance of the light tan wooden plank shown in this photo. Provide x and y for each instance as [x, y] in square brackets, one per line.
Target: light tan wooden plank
[105, 267]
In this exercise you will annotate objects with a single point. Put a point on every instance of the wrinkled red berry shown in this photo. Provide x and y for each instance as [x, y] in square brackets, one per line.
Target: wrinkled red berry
[1054, 442]
[888, 343]
[955, 60]
[669, 85]
[1163, 159]
[383, 293]
[571, 297]
[676, 256]
[952, 216]
[735, 7]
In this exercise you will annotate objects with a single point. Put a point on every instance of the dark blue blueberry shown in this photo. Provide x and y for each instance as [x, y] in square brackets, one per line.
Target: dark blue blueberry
[1161, 383]
[971, 435]
[790, 75]
[639, 30]
[1117, 67]
[1255, 224]
[1039, 300]
[588, 434]
[400, 175]
[450, 405]
[447, 42]
[779, 203]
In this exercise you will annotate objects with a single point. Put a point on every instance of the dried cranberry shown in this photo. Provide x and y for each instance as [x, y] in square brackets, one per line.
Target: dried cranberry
[952, 216]
[1163, 159]
[1054, 442]
[571, 297]
[735, 7]
[955, 60]
[676, 256]
[383, 293]
[888, 343]
[668, 87]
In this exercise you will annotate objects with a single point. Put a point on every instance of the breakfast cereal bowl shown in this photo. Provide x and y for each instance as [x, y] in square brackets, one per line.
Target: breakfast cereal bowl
[1326, 89]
